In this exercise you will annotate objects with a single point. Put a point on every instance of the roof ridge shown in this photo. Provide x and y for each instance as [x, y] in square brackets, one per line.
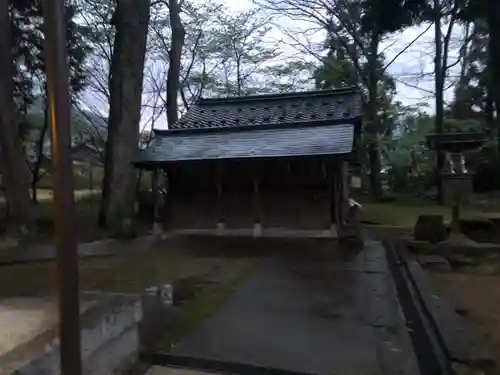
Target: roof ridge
[243, 128]
[280, 96]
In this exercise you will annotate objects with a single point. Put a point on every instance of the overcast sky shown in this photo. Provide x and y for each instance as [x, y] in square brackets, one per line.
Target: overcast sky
[412, 69]
[407, 68]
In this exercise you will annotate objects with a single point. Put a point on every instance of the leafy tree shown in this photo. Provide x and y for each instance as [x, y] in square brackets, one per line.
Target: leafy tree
[24, 50]
[77, 47]
[484, 14]
[28, 51]
[243, 51]
[353, 40]
[292, 75]
[224, 53]
[472, 94]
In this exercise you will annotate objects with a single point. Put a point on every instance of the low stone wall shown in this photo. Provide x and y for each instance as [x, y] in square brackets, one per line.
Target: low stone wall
[109, 339]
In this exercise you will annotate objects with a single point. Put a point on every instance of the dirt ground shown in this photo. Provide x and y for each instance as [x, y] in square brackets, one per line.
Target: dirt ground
[476, 296]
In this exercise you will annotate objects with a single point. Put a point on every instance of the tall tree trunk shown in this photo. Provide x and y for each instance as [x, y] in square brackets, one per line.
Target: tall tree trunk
[439, 85]
[239, 83]
[131, 20]
[373, 146]
[15, 173]
[174, 68]
[40, 157]
[494, 58]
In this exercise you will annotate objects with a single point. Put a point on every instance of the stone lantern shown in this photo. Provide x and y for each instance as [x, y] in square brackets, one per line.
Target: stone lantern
[456, 178]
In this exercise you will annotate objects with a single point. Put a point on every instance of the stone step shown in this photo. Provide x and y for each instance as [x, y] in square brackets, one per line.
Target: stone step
[109, 334]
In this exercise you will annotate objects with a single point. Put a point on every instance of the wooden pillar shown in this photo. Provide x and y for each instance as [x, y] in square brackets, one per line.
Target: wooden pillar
[333, 173]
[90, 168]
[257, 205]
[157, 227]
[219, 177]
[165, 198]
[91, 177]
[344, 186]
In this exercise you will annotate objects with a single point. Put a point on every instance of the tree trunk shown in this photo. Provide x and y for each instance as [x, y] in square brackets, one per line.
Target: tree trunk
[174, 68]
[131, 19]
[15, 173]
[372, 128]
[239, 82]
[39, 154]
[439, 85]
[494, 58]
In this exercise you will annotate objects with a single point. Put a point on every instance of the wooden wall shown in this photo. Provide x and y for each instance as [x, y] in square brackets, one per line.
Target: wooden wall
[279, 193]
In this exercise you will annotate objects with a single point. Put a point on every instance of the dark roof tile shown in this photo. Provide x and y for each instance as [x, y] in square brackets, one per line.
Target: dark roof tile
[173, 146]
[326, 105]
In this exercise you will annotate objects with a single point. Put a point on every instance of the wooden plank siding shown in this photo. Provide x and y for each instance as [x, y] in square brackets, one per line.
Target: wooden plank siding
[295, 193]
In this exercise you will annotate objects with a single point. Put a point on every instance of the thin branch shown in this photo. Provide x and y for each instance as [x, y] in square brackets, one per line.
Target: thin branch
[415, 86]
[406, 48]
[454, 15]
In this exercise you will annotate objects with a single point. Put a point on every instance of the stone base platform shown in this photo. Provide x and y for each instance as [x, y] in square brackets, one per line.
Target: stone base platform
[29, 341]
[257, 232]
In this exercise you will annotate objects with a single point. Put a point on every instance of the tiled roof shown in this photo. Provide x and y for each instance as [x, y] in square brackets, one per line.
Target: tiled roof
[301, 107]
[210, 144]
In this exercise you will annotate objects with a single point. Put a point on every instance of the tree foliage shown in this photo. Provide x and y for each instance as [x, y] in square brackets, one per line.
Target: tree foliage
[225, 54]
[28, 49]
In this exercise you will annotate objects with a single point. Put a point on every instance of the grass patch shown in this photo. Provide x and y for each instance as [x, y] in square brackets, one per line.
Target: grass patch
[86, 204]
[406, 213]
[128, 274]
[45, 195]
[122, 273]
[211, 298]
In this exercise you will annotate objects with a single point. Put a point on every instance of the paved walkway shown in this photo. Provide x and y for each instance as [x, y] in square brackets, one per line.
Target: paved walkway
[28, 254]
[158, 370]
[311, 317]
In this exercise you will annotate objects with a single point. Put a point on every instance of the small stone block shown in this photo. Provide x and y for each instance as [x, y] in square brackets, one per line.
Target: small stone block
[430, 228]
[157, 229]
[435, 262]
[221, 226]
[421, 247]
[257, 230]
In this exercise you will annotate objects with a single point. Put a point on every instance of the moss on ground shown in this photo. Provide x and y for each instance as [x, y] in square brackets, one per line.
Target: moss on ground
[405, 214]
[121, 273]
[209, 299]
[129, 274]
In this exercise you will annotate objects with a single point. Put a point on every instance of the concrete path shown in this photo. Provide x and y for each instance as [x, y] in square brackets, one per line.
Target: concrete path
[311, 317]
[158, 370]
[28, 254]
